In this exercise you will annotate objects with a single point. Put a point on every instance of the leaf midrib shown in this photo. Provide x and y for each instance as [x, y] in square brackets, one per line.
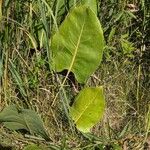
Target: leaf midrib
[76, 48]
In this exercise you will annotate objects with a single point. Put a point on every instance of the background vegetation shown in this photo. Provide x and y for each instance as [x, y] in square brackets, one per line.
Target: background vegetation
[26, 78]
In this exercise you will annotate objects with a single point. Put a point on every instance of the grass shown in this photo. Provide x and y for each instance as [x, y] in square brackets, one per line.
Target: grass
[27, 79]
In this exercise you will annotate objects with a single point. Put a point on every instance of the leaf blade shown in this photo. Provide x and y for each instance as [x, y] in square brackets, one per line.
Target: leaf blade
[16, 119]
[90, 3]
[78, 43]
[88, 108]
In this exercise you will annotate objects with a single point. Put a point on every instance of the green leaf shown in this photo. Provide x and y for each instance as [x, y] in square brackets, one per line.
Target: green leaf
[78, 45]
[88, 108]
[127, 47]
[90, 3]
[15, 119]
[17, 78]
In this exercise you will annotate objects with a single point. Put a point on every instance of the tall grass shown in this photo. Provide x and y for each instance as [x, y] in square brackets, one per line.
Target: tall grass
[27, 80]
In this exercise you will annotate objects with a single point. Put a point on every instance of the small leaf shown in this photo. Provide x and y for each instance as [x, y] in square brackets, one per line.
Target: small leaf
[17, 77]
[15, 119]
[78, 45]
[88, 108]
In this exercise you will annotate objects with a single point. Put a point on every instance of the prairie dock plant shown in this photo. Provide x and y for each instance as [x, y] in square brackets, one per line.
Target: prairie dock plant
[54, 53]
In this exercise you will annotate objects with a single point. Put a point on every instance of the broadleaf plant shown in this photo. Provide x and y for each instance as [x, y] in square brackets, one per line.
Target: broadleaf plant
[78, 45]
[90, 3]
[88, 108]
[15, 118]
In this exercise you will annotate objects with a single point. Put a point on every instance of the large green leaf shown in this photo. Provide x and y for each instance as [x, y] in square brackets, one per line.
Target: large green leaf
[78, 45]
[90, 3]
[88, 108]
[16, 119]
